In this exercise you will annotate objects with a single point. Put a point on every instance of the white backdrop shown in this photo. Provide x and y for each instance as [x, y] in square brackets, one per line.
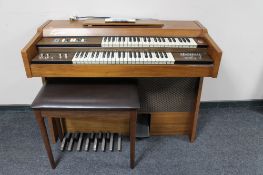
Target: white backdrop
[236, 26]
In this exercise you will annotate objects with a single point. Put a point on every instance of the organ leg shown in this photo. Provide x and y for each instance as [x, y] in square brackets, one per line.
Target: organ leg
[196, 111]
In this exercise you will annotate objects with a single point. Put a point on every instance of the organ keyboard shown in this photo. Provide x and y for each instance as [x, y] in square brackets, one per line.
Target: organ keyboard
[156, 49]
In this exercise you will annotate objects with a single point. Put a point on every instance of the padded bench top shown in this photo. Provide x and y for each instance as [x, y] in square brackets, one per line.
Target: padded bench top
[87, 96]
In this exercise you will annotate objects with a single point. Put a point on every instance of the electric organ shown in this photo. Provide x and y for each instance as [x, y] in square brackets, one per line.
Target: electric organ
[167, 59]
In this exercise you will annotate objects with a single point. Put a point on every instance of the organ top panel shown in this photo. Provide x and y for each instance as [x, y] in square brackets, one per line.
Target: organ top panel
[78, 28]
[148, 48]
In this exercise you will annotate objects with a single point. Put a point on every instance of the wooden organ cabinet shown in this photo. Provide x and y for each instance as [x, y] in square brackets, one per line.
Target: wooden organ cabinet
[167, 59]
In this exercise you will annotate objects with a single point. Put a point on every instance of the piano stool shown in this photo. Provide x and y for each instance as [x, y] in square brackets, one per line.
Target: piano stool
[79, 100]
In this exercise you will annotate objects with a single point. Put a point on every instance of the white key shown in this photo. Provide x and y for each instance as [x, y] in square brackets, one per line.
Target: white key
[100, 58]
[63, 40]
[97, 59]
[133, 60]
[110, 42]
[104, 57]
[137, 59]
[160, 41]
[78, 57]
[170, 58]
[91, 59]
[74, 58]
[137, 42]
[144, 42]
[193, 43]
[141, 42]
[121, 43]
[81, 58]
[87, 58]
[108, 57]
[125, 44]
[167, 43]
[117, 59]
[155, 59]
[174, 43]
[129, 58]
[125, 58]
[103, 42]
[152, 42]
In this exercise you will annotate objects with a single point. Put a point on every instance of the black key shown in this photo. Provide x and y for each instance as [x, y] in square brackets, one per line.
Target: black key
[149, 39]
[135, 55]
[112, 54]
[138, 39]
[92, 55]
[119, 39]
[170, 40]
[174, 40]
[139, 55]
[144, 39]
[97, 54]
[184, 40]
[133, 39]
[130, 39]
[104, 54]
[163, 40]
[119, 54]
[108, 54]
[161, 54]
[130, 54]
[123, 54]
[157, 55]
[105, 39]
[155, 39]
[159, 40]
[150, 55]
[180, 39]
[187, 39]
[124, 39]
[165, 55]
[113, 39]
[146, 55]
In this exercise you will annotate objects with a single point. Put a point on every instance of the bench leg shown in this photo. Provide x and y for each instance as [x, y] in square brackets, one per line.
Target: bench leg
[133, 120]
[43, 130]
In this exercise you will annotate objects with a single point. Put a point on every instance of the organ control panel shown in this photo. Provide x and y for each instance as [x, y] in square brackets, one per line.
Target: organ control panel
[182, 48]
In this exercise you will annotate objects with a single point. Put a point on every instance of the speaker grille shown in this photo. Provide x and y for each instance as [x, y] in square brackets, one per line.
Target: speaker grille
[167, 94]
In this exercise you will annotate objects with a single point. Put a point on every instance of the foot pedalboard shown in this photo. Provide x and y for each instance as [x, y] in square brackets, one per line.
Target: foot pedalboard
[90, 141]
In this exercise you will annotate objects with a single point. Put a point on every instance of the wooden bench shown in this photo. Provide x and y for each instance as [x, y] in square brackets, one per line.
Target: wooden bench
[83, 100]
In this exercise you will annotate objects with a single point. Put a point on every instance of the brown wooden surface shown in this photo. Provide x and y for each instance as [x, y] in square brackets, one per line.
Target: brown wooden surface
[170, 123]
[30, 50]
[43, 131]
[59, 129]
[170, 28]
[110, 123]
[133, 121]
[53, 130]
[196, 112]
[215, 52]
[73, 70]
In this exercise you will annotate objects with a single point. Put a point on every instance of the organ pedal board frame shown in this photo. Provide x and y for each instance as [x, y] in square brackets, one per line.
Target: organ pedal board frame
[168, 59]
